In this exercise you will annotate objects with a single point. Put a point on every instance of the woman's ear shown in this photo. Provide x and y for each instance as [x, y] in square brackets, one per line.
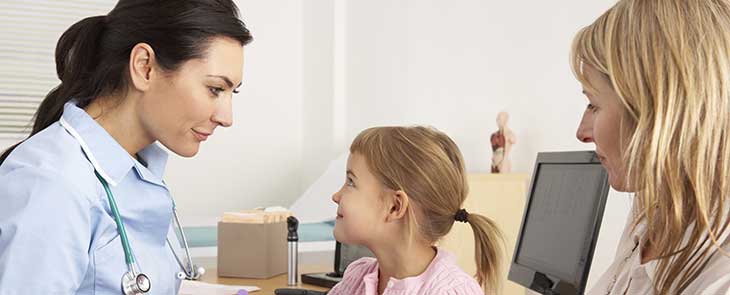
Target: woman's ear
[398, 205]
[141, 61]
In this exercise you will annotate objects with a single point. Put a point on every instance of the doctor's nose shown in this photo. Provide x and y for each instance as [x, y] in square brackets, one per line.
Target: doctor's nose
[223, 114]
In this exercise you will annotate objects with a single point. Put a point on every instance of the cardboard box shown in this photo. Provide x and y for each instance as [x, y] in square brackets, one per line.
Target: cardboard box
[252, 250]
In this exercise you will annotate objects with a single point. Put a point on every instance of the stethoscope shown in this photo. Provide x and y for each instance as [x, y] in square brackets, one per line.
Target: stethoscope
[134, 282]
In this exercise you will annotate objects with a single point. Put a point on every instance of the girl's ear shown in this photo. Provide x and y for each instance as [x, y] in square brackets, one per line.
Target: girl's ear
[398, 203]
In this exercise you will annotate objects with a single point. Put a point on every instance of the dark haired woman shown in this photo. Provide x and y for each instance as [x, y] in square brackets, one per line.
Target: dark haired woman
[83, 205]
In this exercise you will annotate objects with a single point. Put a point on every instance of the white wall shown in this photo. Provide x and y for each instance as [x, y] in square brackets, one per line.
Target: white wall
[454, 65]
[318, 89]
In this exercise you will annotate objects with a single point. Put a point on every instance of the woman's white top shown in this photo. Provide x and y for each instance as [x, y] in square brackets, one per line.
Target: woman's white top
[627, 275]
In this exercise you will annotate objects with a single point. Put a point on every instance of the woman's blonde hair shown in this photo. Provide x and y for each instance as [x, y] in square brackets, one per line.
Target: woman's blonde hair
[669, 62]
[427, 165]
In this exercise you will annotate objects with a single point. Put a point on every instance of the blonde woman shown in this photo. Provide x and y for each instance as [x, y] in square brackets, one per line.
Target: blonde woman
[404, 190]
[657, 77]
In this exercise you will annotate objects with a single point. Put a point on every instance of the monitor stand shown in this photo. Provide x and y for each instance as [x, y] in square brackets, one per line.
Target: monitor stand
[544, 285]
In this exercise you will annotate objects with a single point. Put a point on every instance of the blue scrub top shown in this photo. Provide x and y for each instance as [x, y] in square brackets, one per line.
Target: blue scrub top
[57, 231]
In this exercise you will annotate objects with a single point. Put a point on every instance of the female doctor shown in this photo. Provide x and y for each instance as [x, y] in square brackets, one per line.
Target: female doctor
[84, 208]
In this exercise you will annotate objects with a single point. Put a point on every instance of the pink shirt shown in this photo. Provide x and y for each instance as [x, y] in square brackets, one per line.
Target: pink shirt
[442, 277]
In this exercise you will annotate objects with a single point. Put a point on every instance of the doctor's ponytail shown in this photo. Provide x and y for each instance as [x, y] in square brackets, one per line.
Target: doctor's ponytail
[92, 56]
[76, 57]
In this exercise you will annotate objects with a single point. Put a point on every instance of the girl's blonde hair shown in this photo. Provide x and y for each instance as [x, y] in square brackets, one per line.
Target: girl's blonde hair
[427, 165]
[669, 62]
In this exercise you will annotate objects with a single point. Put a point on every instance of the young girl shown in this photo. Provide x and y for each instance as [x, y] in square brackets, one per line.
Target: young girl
[404, 191]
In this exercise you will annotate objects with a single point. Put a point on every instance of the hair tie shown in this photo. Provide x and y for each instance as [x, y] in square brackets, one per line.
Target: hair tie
[462, 216]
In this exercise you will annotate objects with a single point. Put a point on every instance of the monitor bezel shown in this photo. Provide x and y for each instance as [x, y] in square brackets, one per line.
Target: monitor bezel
[531, 278]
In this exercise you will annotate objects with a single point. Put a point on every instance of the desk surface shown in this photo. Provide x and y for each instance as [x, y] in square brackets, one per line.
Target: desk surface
[267, 285]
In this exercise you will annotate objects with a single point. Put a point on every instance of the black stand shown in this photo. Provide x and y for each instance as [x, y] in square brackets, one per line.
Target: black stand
[541, 283]
[544, 285]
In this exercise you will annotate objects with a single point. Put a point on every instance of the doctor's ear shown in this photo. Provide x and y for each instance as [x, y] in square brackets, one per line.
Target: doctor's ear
[398, 205]
[142, 66]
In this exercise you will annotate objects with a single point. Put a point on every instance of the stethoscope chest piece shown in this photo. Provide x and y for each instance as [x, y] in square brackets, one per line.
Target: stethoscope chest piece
[135, 284]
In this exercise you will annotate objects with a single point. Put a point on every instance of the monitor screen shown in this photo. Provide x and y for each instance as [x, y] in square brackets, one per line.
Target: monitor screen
[561, 217]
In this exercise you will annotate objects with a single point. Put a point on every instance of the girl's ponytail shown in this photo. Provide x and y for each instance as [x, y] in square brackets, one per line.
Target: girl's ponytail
[489, 251]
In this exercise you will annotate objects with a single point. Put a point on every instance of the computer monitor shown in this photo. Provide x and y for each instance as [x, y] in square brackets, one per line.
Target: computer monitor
[346, 254]
[560, 224]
